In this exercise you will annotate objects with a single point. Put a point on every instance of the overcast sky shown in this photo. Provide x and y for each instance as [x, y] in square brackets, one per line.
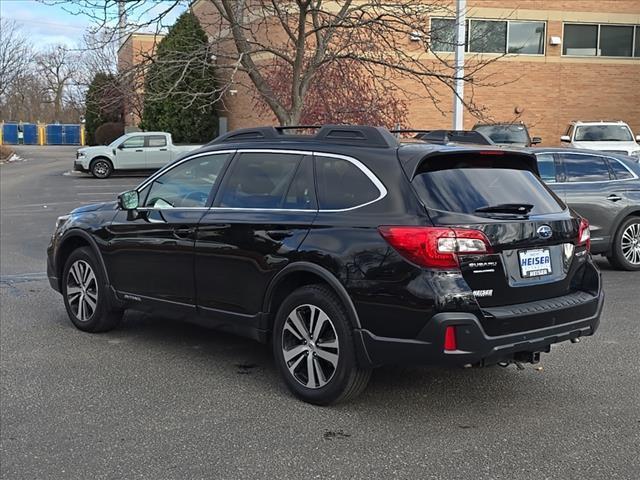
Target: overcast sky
[53, 24]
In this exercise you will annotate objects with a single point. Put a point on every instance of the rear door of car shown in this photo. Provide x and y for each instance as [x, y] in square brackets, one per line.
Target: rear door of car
[157, 153]
[591, 188]
[261, 214]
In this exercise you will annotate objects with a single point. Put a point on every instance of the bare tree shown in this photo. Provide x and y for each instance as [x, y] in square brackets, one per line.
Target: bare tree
[56, 66]
[388, 39]
[15, 55]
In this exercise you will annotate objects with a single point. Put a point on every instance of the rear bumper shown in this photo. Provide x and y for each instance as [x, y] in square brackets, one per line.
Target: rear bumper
[572, 319]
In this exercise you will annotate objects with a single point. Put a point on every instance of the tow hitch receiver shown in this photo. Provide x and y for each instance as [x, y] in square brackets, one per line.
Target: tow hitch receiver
[527, 357]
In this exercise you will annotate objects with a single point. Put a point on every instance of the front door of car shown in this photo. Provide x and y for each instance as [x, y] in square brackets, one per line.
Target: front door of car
[262, 213]
[150, 252]
[589, 187]
[131, 154]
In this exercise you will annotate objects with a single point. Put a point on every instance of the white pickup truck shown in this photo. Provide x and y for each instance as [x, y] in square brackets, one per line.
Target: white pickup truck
[133, 151]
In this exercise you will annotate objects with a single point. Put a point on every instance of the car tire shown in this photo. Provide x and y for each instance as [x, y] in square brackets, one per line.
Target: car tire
[101, 168]
[86, 294]
[626, 245]
[321, 370]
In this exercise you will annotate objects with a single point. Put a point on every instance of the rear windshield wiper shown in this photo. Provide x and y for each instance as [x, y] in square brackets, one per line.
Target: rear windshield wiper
[519, 208]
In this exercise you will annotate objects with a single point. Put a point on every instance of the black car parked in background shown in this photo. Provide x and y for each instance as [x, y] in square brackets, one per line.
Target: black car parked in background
[345, 249]
[605, 189]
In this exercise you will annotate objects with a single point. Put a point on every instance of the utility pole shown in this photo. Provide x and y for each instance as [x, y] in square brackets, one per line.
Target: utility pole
[122, 21]
[458, 108]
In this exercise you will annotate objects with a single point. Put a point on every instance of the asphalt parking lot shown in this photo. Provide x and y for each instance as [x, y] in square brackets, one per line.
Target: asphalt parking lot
[158, 399]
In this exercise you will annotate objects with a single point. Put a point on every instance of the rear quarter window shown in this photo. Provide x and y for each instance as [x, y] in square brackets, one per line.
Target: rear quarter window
[619, 170]
[342, 184]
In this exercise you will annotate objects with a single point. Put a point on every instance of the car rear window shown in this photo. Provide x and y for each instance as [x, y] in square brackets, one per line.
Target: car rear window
[463, 190]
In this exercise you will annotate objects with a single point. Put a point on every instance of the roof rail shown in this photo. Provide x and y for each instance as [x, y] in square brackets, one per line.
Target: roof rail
[454, 136]
[338, 134]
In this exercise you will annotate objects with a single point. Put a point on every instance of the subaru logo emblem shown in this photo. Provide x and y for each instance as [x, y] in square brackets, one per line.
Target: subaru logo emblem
[544, 231]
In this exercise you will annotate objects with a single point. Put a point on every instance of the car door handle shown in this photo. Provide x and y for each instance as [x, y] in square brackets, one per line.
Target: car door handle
[139, 150]
[163, 149]
[183, 232]
[279, 234]
[614, 198]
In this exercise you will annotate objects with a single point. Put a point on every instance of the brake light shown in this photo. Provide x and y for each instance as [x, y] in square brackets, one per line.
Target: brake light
[491, 152]
[435, 247]
[584, 234]
[450, 343]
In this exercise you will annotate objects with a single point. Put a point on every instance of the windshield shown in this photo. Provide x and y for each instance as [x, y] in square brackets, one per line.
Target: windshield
[603, 133]
[465, 190]
[505, 133]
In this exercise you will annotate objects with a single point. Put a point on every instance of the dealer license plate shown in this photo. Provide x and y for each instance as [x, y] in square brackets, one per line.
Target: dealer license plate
[535, 263]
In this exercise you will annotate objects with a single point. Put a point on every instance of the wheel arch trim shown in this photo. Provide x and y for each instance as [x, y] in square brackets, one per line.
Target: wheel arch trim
[321, 272]
[77, 233]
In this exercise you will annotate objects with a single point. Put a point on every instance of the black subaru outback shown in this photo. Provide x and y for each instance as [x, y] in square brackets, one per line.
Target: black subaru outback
[345, 249]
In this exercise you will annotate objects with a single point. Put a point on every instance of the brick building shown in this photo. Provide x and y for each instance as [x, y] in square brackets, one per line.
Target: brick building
[565, 60]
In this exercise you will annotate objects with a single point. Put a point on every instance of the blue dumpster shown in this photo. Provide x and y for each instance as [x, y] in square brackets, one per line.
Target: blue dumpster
[71, 134]
[30, 131]
[53, 134]
[10, 133]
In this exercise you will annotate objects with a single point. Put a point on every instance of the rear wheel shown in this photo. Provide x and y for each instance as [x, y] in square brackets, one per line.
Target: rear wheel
[85, 293]
[101, 168]
[626, 245]
[313, 347]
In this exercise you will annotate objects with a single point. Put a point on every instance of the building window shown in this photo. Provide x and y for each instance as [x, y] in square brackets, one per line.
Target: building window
[636, 49]
[591, 40]
[490, 36]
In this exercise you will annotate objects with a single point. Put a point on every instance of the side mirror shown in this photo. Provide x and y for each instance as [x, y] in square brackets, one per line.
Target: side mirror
[128, 200]
[536, 140]
[121, 146]
[565, 138]
[638, 138]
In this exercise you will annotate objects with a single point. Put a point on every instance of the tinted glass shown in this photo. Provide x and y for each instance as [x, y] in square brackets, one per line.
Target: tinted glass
[636, 50]
[158, 141]
[526, 37]
[443, 34]
[259, 180]
[302, 193]
[547, 167]
[505, 133]
[580, 40]
[487, 36]
[603, 133]
[619, 170]
[616, 41]
[134, 142]
[467, 189]
[342, 185]
[585, 168]
[187, 185]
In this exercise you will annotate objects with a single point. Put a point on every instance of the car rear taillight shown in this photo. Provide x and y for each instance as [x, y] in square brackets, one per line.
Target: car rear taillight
[435, 247]
[584, 234]
[450, 343]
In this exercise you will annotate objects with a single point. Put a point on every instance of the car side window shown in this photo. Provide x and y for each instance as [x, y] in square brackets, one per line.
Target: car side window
[258, 180]
[585, 168]
[619, 170]
[547, 167]
[133, 142]
[186, 185]
[156, 141]
[302, 193]
[341, 184]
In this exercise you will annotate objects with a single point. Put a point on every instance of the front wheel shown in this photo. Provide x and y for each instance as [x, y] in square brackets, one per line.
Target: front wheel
[101, 168]
[626, 245]
[85, 293]
[314, 348]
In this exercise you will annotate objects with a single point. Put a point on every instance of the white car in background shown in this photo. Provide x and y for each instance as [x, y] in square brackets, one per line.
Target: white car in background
[610, 137]
[133, 151]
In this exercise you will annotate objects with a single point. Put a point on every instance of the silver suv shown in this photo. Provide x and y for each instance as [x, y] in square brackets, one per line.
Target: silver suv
[610, 137]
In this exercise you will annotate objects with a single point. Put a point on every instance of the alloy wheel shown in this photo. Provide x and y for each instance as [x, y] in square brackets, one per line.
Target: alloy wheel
[82, 290]
[101, 168]
[310, 346]
[630, 243]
